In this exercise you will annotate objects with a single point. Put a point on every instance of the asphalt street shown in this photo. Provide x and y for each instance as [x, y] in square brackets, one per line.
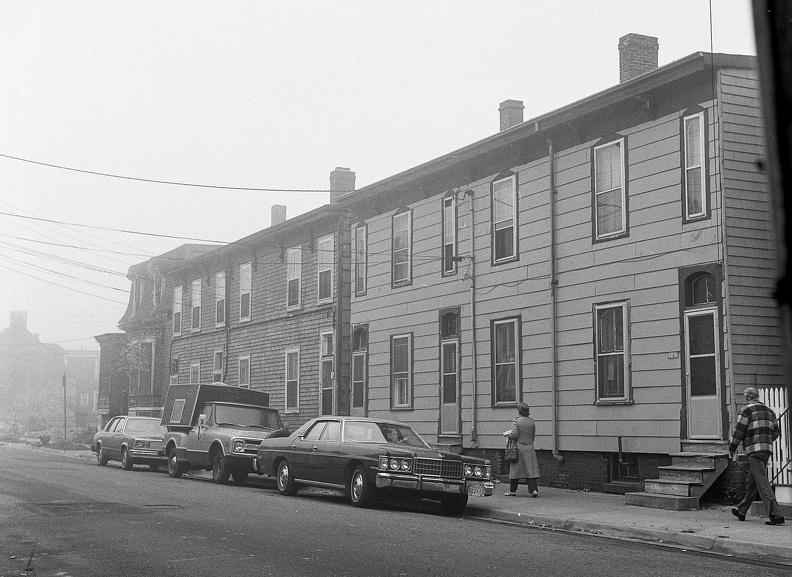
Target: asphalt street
[70, 517]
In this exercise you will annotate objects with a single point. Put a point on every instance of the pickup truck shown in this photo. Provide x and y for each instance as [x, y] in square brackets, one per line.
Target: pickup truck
[218, 428]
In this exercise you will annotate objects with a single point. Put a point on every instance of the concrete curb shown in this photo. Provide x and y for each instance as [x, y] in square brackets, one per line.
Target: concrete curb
[718, 545]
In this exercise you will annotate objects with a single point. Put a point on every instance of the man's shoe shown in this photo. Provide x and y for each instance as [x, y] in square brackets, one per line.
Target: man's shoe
[510, 494]
[775, 521]
[739, 515]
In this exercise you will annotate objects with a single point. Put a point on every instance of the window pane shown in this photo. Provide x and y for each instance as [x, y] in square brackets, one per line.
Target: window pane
[244, 306]
[325, 285]
[294, 292]
[504, 243]
[505, 385]
[701, 333]
[449, 389]
[608, 167]
[703, 376]
[609, 212]
[693, 141]
[503, 199]
[504, 343]
[610, 326]
[695, 200]
[401, 357]
[610, 369]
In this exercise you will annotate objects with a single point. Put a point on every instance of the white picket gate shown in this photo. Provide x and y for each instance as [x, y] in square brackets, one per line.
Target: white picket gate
[779, 468]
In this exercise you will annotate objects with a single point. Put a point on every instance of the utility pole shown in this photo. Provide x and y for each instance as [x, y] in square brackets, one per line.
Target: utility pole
[64, 406]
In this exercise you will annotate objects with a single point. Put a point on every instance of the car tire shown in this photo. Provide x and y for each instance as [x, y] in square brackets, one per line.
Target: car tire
[454, 504]
[126, 460]
[361, 492]
[101, 458]
[239, 477]
[220, 470]
[174, 469]
[286, 484]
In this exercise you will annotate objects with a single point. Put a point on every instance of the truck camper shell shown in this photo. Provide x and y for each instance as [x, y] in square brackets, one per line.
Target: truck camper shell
[184, 402]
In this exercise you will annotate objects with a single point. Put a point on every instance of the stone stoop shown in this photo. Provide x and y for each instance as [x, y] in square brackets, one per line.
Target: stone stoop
[686, 479]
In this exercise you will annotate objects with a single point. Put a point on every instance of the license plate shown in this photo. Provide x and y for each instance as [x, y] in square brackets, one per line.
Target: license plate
[475, 489]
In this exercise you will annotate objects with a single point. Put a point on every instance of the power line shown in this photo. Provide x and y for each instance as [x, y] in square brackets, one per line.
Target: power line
[60, 285]
[172, 183]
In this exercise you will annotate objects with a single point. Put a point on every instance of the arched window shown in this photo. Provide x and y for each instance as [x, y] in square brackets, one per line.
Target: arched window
[360, 339]
[700, 289]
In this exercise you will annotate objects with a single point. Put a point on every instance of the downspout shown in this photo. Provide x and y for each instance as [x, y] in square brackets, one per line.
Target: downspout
[227, 315]
[472, 278]
[553, 304]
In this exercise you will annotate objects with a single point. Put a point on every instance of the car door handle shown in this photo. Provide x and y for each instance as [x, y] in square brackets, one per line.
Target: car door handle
[314, 447]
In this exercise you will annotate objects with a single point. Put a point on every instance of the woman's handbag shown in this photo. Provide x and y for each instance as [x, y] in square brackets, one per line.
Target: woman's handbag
[511, 456]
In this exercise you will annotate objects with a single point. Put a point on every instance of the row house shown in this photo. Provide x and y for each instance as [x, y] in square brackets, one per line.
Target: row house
[270, 312]
[611, 263]
[134, 364]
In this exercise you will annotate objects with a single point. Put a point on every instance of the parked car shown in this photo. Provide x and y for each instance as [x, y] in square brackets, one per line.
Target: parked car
[131, 440]
[369, 457]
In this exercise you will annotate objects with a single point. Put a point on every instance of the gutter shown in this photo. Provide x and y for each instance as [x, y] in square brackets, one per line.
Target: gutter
[553, 303]
[474, 368]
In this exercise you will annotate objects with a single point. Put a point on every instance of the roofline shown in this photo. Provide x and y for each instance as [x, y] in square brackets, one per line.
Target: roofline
[674, 71]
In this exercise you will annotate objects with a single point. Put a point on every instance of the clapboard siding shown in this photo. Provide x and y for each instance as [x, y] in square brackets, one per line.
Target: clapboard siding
[750, 253]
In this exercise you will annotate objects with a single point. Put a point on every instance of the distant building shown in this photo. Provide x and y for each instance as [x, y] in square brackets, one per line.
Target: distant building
[82, 384]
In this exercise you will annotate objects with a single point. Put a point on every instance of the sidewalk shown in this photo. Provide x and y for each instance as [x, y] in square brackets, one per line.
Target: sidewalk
[712, 529]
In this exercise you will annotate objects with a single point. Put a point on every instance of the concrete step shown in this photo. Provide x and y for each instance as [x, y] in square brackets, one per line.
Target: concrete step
[676, 488]
[669, 502]
[685, 474]
[706, 446]
[622, 487]
[691, 459]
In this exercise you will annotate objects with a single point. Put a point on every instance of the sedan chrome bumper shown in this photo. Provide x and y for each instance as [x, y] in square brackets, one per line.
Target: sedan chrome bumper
[431, 484]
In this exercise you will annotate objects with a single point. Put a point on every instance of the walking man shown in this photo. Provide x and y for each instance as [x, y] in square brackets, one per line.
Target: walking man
[757, 428]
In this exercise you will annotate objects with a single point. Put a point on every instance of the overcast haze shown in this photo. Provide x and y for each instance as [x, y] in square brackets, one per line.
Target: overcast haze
[268, 95]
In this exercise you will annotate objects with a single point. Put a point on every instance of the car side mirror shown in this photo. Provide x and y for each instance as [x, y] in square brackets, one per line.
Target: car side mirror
[202, 420]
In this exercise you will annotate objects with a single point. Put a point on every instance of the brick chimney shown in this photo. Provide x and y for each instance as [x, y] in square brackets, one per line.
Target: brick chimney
[278, 214]
[637, 55]
[342, 181]
[511, 113]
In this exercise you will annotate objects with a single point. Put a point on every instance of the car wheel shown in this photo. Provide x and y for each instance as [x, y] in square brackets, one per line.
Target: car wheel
[174, 470]
[101, 458]
[454, 504]
[239, 477]
[126, 460]
[286, 484]
[361, 491]
[220, 471]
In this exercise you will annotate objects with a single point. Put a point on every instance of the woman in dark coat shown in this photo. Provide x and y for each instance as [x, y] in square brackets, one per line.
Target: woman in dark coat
[523, 432]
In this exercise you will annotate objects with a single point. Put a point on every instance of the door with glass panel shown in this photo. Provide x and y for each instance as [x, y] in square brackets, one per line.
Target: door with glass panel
[702, 374]
[449, 372]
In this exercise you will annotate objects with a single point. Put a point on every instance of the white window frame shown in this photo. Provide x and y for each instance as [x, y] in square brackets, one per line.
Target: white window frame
[622, 186]
[174, 377]
[688, 168]
[401, 392]
[294, 275]
[502, 222]
[291, 380]
[195, 310]
[624, 353]
[405, 216]
[195, 372]
[515, 361]
[326, 356]
[220, 299]
[449, 248]
[177, 311]
[325, 265]
[152, 373]
[243, 372]
[361, 259]
[218, 362]
[245, 289]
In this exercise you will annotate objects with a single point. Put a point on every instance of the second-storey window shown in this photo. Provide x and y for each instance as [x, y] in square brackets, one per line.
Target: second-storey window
[326, 368]
[611, 352]
[504, 219]
[220, 298]
[610, 197]
[401, 371]
[505, 361]
[195, 372]
[402, 248]
[195, 302]
[243, 379]
[449, 235]
[174, 372]
[361, 258]
[325, 260]
[217, 367]
[694, 183]
[177, 310]
[245, 282]
[292, 380]
[293, 277]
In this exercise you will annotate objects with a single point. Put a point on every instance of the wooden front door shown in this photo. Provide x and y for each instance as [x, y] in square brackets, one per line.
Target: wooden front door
[703, 374]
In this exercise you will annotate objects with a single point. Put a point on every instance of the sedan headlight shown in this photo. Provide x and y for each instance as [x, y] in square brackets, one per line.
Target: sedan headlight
[394, 464]
[142, 444]
[468, 470]
[238, 445]
[383, 462]
[478, 471]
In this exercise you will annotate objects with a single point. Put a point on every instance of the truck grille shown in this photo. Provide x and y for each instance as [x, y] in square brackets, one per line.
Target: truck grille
[439, 468]
[251, 446]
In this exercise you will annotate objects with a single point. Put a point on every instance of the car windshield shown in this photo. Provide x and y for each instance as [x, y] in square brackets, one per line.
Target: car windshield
[367, 432]
[254, 417]
[144, 427]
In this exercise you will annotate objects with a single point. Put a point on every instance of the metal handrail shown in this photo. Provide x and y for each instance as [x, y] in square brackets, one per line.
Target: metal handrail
[781, 417]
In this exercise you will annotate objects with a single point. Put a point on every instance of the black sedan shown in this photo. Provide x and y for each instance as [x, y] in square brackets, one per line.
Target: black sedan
[367, 457]
[131, 440]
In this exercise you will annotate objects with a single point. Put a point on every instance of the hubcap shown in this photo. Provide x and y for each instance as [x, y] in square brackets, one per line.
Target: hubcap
[283, 476]
[357, 486]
